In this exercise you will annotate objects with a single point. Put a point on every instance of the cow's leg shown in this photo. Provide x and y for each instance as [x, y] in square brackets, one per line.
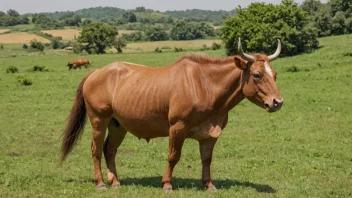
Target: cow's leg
[177, 137]
[112, 142]
[206, 151]
[99, 124]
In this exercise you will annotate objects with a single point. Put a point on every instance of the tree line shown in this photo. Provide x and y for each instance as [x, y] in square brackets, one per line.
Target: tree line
[298, 26]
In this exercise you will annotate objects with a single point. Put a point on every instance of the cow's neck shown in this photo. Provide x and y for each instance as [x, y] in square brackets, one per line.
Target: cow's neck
[227, 86]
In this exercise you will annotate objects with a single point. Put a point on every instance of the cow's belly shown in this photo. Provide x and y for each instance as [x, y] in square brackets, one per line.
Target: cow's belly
[145, 128]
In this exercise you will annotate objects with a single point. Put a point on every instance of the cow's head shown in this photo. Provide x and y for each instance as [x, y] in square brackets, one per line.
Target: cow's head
[259, 78]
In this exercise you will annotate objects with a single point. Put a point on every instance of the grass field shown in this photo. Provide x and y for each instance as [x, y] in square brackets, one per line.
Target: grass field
[168, 45]
[21, 37]
[304, 150]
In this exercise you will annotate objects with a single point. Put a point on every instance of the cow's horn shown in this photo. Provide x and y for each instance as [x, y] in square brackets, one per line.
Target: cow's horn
[277, 53]
[244, 55]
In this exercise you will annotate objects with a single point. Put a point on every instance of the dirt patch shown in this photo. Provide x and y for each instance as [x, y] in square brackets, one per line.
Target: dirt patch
[21, 37]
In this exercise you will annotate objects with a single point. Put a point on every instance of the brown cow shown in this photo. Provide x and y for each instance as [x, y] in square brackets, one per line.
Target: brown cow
[78, 63]
[189, 99]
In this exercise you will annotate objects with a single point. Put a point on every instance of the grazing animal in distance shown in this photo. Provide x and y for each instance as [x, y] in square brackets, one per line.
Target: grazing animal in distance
[188, 99]
[78, 63]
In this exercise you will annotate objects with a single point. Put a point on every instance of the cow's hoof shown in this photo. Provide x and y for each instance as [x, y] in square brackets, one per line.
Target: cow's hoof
[115, 185]
[101, 187]
[167, 190]
[211, 188]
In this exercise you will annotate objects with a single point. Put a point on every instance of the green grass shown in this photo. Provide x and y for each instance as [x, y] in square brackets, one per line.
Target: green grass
[304, 150]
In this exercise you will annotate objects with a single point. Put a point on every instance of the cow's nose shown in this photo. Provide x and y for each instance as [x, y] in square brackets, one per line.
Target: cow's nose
[277, 102]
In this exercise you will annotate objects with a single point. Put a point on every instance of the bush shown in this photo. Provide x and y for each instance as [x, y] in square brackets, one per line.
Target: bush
[24, 81]
[37, 45]
[292, 69]
[158, 50]
[204, 48]
[1, 47]
[39, 68]
[12, 69]
[25, 46]
[216, 46]
[178, 49]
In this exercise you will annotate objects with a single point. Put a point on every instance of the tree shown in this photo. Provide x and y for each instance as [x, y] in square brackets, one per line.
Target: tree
[37, 45]
[260, 25]
[157, 34]
[98, 37]
[130, 16]
[2, 14]
[12, 13]
[188, 31]
[120, 43]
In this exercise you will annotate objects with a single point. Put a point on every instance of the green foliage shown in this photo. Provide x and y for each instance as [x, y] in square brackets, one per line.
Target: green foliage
[44, 21]
[55, 43]
[197, 15]
[1, 46]
[120, 43]
[98, 37]
[130, 17]
[136, 36]
[37, 45]
[24, 81]
[37, 68]
[292, 69]
[157, 34]
[215, 46]
[13, 13]
[77, 49]
[260, 25]
[12, 69]
[158, 50]
[178, 49]
[24, 46]
[87, 22]
[12, 18]
[189, 31]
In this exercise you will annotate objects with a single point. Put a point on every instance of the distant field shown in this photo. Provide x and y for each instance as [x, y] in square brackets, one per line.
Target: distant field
[4, 30]
[66, 34]
[69, 34]
[168, 45]
[21, 37]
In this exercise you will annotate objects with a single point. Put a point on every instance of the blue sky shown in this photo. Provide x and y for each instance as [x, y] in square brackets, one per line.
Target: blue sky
[26, 6]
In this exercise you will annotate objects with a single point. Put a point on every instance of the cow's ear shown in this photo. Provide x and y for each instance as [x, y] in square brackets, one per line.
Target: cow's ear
[240, 62]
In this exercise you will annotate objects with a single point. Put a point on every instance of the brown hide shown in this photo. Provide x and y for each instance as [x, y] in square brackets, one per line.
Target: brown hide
[78, 63]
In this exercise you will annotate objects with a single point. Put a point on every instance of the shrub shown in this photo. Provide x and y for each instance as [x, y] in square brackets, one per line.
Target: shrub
[216, 46]
[179, 49]
[158, 50]
[24, 81]
[12, 69]
[204, 48]
[292, 69]
[1, 47]
[25, 46]
[39, 68]
[37, 45]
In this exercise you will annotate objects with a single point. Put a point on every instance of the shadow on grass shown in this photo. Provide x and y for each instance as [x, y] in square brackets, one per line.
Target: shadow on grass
[195, 183]
[184, 183]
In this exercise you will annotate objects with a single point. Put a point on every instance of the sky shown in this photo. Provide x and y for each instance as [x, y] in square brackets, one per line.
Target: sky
[32, 6]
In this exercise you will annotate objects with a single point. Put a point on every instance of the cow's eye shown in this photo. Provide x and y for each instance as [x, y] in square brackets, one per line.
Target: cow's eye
[257, 76]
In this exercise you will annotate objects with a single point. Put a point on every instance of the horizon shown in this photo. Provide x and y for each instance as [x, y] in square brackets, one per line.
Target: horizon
[156, 5]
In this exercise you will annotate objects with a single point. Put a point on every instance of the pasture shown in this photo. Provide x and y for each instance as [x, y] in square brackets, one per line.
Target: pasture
[20, 37]
[303, 150]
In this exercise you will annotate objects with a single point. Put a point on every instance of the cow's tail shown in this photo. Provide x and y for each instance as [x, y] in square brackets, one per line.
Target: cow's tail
[76, 122]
